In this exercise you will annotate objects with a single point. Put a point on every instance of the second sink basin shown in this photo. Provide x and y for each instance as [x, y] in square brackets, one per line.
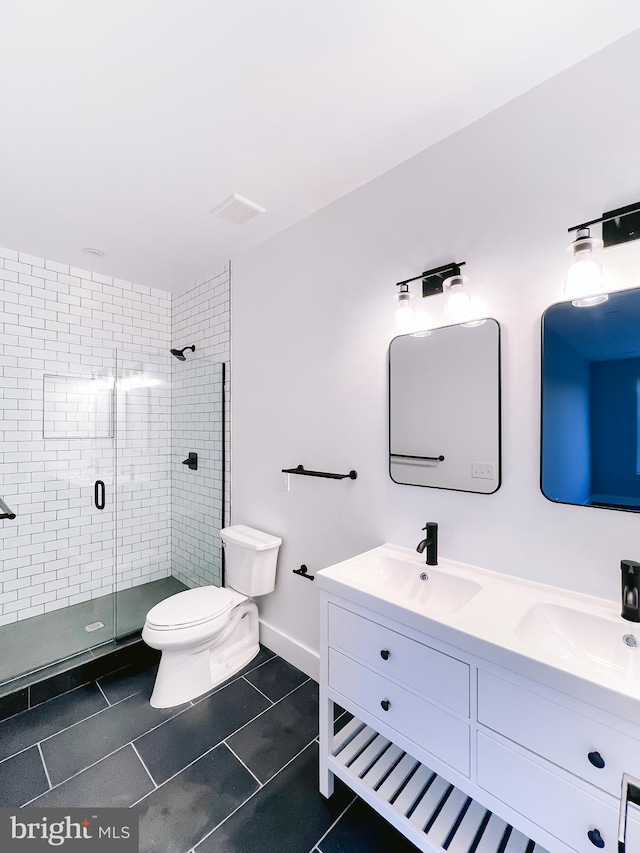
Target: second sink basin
[397, 577]
[589, 640]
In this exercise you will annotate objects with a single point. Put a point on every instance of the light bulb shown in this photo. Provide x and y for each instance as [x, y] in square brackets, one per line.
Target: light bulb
[584, 277]
[458, 307]
[405, 315]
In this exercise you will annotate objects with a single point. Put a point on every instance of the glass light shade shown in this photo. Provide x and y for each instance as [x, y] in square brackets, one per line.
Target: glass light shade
[405, 315]
[584, 276]
[583, 282]
[458, 305]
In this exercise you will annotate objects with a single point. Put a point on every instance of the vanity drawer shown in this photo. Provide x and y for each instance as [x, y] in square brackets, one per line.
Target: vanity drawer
[429, 672]
[563, 809]
[557, 733]
[433, 729]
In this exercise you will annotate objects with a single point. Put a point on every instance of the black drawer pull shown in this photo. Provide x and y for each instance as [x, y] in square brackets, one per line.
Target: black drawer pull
[384, 654]
[385, 704]
[595, 838]
[596, 759]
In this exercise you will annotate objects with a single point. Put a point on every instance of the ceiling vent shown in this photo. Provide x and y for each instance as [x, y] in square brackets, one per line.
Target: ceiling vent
[237, 209]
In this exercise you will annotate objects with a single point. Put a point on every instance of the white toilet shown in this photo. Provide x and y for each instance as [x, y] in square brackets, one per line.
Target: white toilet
[208, 633]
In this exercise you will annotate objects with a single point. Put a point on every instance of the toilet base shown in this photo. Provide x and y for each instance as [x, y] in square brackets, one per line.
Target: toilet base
[184, 674]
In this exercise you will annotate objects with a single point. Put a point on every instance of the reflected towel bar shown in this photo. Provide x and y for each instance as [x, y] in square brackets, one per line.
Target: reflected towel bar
[302, 470]
[5, 511]
[409, 456]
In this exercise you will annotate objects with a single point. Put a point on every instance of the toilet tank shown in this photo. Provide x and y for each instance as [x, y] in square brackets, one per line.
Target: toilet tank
[250, 559]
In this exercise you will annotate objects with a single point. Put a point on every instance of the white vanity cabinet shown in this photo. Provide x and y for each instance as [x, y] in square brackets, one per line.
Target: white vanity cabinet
[452, 748]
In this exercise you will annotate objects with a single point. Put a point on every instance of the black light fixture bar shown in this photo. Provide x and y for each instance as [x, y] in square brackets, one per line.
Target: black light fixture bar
[432, 280]
[618, 226]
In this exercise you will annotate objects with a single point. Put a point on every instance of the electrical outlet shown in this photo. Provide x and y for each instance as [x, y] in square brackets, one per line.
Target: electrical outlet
[483, 470]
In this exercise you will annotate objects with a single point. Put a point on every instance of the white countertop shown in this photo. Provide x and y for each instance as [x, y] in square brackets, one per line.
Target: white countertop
[565, 640]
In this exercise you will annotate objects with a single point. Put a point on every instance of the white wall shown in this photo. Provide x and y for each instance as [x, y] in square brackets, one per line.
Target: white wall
[312, 316]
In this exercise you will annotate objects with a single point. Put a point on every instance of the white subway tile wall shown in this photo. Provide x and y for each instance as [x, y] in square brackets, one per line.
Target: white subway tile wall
[60, 329]
[200, 317]
[143, 467]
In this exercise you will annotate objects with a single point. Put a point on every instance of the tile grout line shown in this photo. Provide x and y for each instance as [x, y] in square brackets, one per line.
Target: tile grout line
[133, 746]
[93, 764]
[115, 705]
[271, 707]
[104, 694]
[333, 825]
[66, 728]
[46, 771]
[177, 773]
[232, 680]
[258, 689]
[40, 704]
[223, 742]
[153, 728]
[242, 762]
[204, 837]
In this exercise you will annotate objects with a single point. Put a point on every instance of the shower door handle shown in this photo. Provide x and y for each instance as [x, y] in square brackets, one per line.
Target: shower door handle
[6, 511]
[99, 494]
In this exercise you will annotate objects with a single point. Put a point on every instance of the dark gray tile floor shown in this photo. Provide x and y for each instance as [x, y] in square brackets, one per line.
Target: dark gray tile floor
[235, 771]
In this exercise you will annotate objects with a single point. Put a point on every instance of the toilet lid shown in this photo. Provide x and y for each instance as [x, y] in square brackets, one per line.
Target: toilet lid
[192, 607]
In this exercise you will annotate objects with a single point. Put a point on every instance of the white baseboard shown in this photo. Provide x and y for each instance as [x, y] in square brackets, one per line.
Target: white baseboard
[291, 650]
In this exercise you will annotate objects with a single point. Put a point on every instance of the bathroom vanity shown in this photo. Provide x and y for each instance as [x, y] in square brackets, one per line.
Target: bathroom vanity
[482, 705]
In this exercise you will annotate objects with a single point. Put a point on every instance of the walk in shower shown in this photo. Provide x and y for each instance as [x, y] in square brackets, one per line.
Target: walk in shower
[110, 516]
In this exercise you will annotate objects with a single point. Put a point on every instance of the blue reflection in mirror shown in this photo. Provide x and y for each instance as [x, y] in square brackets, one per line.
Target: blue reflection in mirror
[591, 403]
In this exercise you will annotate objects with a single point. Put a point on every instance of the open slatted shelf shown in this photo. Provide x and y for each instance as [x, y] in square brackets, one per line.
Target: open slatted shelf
[432, 813]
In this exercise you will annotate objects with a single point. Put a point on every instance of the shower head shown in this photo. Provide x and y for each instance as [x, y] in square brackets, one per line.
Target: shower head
[179, 353]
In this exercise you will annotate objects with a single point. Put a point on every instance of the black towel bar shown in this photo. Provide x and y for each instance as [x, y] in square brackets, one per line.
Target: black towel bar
[302, 470]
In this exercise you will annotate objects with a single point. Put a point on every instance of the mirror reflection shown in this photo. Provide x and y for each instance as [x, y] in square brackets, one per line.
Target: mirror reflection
[444, 408]
[591, 403]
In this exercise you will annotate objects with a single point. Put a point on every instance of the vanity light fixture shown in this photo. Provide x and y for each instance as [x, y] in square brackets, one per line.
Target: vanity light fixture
[584, 277]
[437, 280]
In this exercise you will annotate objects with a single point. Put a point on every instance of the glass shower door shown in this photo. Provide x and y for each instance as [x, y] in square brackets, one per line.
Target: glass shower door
[170, 510]
[58, 475]
[143, 448]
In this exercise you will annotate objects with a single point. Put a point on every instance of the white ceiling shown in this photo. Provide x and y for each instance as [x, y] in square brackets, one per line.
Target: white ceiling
[123, 122]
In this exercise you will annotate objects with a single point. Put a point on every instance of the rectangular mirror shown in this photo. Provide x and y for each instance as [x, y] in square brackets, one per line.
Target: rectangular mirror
[444, 408]
[591, 403]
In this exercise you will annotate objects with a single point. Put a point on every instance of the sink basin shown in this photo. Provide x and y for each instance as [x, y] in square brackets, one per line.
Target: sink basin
[594, 641]
[407, 581]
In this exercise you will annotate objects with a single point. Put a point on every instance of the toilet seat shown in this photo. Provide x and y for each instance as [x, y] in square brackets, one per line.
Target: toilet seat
[193, 607]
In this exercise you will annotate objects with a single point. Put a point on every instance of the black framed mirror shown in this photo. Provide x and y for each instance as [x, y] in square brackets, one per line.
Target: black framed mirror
[444, 408]
[590, 408]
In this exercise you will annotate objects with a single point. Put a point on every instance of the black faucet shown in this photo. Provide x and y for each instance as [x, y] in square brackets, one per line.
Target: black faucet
[630, 590]
[431, 543]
